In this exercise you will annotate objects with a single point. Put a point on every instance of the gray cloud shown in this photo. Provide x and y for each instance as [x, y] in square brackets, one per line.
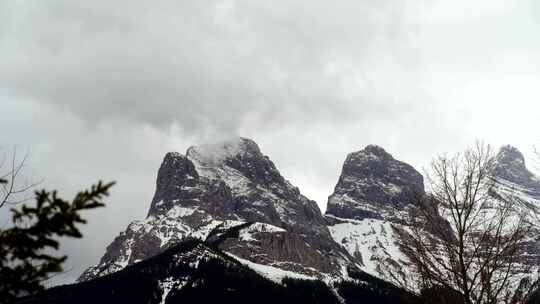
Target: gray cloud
[203, 65]
[104, 89]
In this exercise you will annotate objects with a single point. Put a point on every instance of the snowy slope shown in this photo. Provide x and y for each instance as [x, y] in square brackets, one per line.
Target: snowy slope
[232, 196]
[220, 186]
[366, 209]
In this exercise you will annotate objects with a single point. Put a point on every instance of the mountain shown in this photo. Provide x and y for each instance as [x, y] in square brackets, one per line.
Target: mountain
[373, 185]
[213, 188]
[515, 180]
[510, 169]
[225, 225]
[373, 193]
[373, 190]
[198, 272]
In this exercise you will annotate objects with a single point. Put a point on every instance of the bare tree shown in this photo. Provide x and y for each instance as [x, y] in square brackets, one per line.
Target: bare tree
[466, 237]
[14, 188]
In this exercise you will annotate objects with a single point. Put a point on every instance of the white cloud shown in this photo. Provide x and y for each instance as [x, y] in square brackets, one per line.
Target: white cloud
[103, 89]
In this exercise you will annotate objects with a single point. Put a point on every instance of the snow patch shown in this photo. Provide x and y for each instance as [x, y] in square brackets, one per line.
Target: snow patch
[213, 154]
[246, 234]
[373, 239]
[273, 273]
[179, 211]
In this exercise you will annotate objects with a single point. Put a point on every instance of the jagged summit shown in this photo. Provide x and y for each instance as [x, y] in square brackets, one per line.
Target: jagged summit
[371, 182]
[229, 194]
[216, 153]
[510, 167]
[372, 190]
[238, 162]
[374, 150]
[216, 187]
[370, 152]
[510, 155]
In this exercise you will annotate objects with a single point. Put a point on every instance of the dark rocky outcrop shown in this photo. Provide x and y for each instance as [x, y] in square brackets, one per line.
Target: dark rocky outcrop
[510, 167]
[514, 180]
[373, 183]
[220, 186]
[369, 203]
[374, 191]
[232, 197]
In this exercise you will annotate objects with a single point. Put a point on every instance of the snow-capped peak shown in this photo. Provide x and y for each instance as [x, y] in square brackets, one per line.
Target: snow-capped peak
[510, 167]
[216, 153]
[510, 155]
[369, 153]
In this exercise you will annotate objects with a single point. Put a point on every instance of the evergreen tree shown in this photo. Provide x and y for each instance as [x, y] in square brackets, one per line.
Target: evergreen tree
[25, 247]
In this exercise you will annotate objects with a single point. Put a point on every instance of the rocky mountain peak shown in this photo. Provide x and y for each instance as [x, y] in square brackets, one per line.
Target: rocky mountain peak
[218, 153]
[233, 159]
[510, 167]
[510, 156]
[372, 191]
[175, 171]
[371, 182]
[220, 186]
[376, 151]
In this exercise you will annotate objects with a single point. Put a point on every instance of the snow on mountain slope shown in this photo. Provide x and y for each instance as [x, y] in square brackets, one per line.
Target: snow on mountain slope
[197, 272]
[365, 209]
[372, 192]
[233, 197]
[215, 185]
[373, 241]
[514, 180]
[273, 273]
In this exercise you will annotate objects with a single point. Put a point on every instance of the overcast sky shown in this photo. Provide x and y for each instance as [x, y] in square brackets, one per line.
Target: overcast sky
[103, 89]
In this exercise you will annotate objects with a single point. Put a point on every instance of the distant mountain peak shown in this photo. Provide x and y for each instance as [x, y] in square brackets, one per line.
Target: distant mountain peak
[225, 182]
[510, 167]
[231, 196]
[369, 153]
[376, 150]
[371, 182]
[216, 153]
[510, 155]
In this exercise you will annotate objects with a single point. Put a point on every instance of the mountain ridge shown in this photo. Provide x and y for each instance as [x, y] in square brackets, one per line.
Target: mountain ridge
[232, 195]
[229, 183]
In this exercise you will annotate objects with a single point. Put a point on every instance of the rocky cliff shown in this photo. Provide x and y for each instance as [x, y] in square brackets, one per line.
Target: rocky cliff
[231, 196]
[515, 181]
[367, 204]
[374, 191]
[373, 185]
[229, 186]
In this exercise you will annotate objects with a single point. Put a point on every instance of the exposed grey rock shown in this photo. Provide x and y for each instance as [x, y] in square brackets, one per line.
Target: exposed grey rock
[365, 210]
[373, 184]
[516, 181]
[368, 204]
[510, 167]
[220, 186]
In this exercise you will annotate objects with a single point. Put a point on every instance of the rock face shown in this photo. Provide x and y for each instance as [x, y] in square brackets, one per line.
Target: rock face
[372, 184]
[514, 179]
[510, 168]
[219, 187]
[364, 209]
[232, 197]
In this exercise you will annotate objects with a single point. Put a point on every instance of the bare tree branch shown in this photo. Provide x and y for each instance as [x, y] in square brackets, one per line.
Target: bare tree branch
[14, 190]
[465, 236]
